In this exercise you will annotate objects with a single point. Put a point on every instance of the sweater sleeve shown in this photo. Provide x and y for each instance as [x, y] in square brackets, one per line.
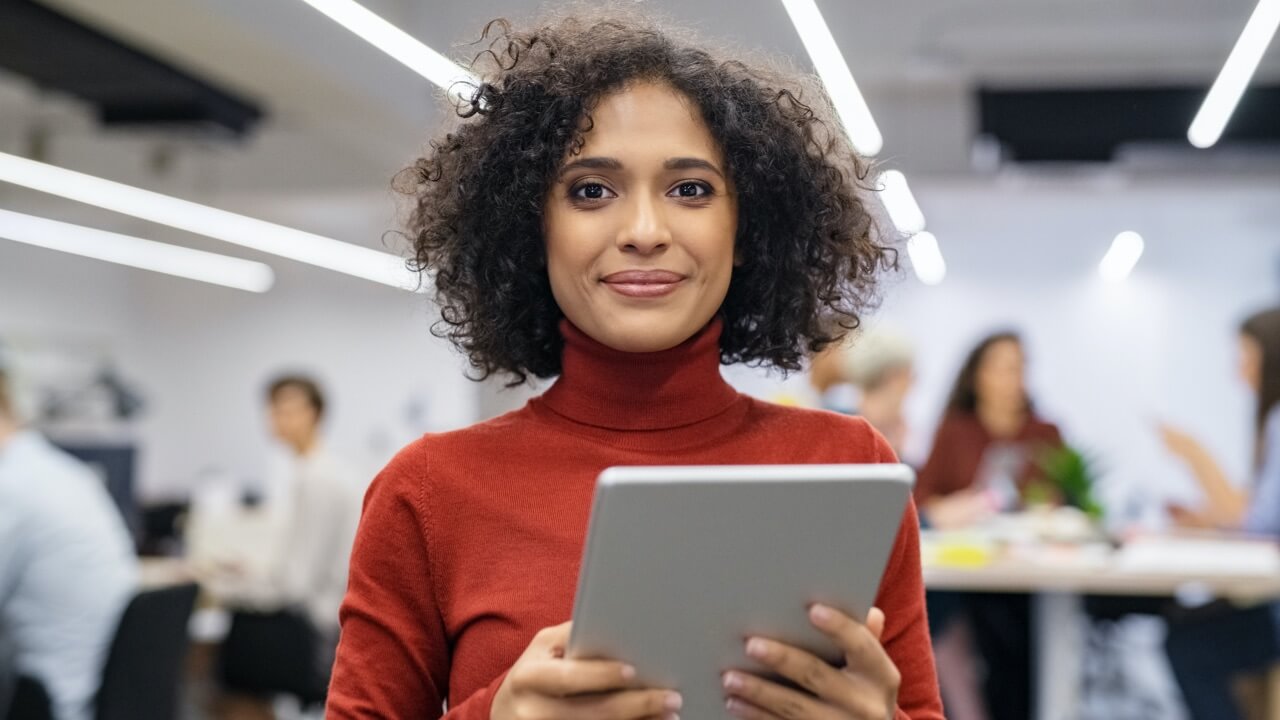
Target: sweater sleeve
[393, 655]
[906, 630]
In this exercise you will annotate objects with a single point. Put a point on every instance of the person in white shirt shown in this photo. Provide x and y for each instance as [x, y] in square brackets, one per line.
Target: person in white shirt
[67, 567]
[315, 505]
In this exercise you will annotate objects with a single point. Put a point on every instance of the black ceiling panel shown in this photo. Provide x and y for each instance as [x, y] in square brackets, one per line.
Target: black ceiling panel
[1089, 125]
[127, 86]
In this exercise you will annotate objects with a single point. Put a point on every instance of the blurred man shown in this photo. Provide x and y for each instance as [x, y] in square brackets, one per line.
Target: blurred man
[315, 503]
[67, 567]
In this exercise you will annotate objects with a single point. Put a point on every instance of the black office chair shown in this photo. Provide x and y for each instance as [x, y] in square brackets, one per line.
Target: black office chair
[29, 701]
[143, 672]
[144, 667]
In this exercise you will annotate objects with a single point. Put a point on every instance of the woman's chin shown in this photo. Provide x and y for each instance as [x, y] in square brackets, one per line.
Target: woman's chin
[643, 335]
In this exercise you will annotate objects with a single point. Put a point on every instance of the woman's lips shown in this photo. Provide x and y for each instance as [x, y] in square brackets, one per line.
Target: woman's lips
[643, 283]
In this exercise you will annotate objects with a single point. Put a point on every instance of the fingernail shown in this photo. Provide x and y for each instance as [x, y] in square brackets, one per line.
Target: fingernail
[673, 702]
[757, 648]
[733, 681]
[821, 613]
[628, 672]
[734, 706]
[670, 716]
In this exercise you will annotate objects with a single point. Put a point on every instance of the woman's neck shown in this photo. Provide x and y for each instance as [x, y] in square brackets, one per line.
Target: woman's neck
[1002, 420]
[608, 388]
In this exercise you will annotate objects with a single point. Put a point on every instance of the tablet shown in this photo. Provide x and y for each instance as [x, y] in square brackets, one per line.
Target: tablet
[682, 564]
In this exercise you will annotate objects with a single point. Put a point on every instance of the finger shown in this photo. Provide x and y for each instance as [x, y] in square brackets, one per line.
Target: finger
[776, 700]
[805, 669]
[624, 705]
[863, 652]
[553, 639]
[740, 708]
[875, 623]
[562, 678]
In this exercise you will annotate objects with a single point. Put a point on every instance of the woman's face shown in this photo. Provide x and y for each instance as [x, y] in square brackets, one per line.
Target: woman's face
[639, 226]
[999, 380]
[1251, 363]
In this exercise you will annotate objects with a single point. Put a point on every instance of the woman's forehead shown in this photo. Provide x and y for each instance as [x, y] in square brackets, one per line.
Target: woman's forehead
[648, 121]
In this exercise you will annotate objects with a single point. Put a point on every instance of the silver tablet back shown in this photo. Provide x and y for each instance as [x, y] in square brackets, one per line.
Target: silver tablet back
[682, 564]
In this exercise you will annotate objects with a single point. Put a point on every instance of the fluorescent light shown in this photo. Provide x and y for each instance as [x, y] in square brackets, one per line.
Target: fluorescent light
[400, 45]
[193, 217]
[835, 74]
[900, 203]
[926, 258]
[1227, 90]
[136, 252]
[1123, 255]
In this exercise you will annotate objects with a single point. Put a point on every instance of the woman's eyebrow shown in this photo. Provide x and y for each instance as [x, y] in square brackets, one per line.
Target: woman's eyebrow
[691, 163]
[608, 163]
[593, 163]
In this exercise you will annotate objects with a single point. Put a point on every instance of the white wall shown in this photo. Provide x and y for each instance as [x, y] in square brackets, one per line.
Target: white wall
[201, 354]
[1107, 361]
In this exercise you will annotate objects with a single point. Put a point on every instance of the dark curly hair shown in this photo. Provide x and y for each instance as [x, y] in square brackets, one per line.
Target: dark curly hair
[809, 250]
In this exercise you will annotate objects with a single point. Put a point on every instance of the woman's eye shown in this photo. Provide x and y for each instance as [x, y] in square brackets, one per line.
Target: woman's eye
[692, 189]
[591, 191]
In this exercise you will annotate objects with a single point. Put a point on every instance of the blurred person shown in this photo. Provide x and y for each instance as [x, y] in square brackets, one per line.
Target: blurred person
[291, 599]
[626, 210]
[879, 364]
[985, 448]
[983, 456]
[1208, 648]
[67, 567]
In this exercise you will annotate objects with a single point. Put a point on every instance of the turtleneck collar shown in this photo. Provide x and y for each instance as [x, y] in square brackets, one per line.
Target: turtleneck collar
[616, 390]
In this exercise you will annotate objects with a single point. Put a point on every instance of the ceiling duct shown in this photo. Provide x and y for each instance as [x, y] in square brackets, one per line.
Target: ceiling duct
[1092, 125]
[125, 85]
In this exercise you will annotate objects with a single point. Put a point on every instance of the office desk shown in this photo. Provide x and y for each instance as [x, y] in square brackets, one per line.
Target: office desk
[1194, 569]
[161, 572]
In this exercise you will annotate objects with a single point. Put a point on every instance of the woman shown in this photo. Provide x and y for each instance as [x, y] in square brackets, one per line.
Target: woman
[624, 210]
[984, 451]
[983, 456]
[1208, 648]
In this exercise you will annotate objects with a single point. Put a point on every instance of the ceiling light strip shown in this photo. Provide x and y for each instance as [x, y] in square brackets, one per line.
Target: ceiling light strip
[136, 252]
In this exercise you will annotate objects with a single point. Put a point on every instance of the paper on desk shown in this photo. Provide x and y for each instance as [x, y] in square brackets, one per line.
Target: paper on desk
[1200, 556]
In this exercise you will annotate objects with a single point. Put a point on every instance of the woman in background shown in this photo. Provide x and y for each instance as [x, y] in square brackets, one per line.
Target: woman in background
[983, 456]
[1209, 649]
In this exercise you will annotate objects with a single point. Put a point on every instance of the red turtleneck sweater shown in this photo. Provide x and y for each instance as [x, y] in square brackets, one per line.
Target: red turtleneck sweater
[470, 540]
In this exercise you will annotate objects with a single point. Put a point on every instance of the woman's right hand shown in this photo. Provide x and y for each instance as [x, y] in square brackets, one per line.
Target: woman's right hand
[545, 685]
[960, 510]
[1181, 444]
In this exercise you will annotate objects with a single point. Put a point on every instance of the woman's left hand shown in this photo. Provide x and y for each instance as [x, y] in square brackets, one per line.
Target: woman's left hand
[866, 688]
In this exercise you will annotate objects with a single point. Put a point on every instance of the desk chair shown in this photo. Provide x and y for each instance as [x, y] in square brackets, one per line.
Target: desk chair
[144, 665]
[29, 701]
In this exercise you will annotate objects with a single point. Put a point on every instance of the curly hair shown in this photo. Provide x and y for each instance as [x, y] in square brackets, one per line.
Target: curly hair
[809, 250]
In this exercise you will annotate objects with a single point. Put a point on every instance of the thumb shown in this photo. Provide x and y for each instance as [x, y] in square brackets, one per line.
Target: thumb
[875, 622]
[553, 640]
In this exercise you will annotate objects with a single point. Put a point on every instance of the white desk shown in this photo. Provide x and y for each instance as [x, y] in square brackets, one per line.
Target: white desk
[1244, 572]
